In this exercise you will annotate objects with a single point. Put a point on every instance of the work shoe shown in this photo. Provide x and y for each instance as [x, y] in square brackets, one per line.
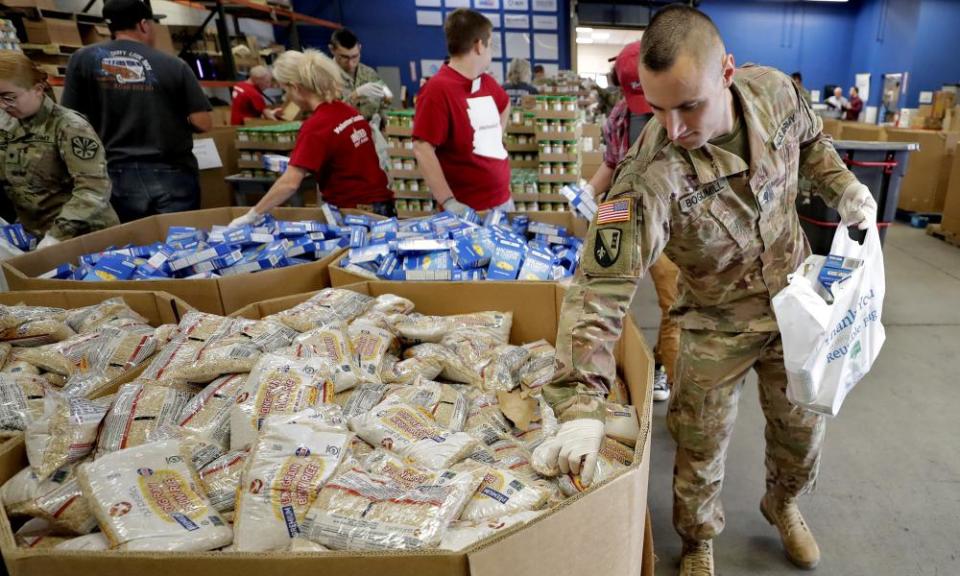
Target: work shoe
[782, 511]
[697, 558]
[661, 388]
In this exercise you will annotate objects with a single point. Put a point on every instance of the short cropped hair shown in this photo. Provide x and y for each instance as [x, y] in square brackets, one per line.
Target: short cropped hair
[673, 30]
[463, 28]
[344, 38]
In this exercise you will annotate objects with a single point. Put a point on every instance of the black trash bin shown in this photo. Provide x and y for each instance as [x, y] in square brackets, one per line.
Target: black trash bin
[881, 167]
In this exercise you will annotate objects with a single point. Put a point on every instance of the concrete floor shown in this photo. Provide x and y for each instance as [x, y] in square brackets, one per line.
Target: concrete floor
[888, 498]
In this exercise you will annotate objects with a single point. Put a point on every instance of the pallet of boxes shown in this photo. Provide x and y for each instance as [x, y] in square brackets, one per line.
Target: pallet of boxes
[413, 197]
[380, 428]
[558, 141]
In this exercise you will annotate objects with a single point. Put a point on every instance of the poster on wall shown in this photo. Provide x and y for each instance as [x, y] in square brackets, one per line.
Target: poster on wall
[486, 4]
[429, 18]
[429, 68]
[545, 22]
[863, 86]
[516, 5]
[516, 21]
[518, 45]
[492, 17]
[496, 45]
[428, 3]
[458, 3]
[546, 47]
[545, 5]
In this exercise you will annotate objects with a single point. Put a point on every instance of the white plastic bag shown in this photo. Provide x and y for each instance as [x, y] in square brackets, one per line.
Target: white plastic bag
[828, 348]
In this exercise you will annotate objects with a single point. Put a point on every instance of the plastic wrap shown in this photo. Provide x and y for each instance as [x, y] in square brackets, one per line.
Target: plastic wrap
[21, 400]
[328, 306]
[372, 345]
[221, 478]
[207, 414]
[333, 345]
[540, 367]
[445, 403]
[622, 424]
[454, 368]
[502, 372]
[149, 498]
[66, 433]
[138, 409]
[465, 533]
[90, 542]
[503, 492]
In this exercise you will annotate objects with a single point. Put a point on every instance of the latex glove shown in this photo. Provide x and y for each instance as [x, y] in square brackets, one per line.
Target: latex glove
[47, 241]
[245, 220]
[371, 90]
[590, 190]
[577, 441]
[857, 206]
[455, 207]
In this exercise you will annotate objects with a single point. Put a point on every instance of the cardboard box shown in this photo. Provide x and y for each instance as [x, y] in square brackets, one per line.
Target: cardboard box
[215, 192]
[40, 4]
[861, 132]
[215, 295]
[53, 31]
[94, 33]
[577, 226]
[164, 40]
[924, 189]
[942, 102]
[833, 127]
[605, 527]
[951, 206]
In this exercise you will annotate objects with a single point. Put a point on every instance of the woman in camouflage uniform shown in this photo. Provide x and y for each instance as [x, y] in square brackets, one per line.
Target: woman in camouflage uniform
[53, 167]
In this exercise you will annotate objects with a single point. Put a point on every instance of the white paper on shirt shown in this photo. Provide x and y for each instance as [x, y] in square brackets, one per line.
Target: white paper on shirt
[487, 131]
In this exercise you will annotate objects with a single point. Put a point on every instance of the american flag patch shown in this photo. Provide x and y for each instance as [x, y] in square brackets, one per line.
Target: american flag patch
[613, 211]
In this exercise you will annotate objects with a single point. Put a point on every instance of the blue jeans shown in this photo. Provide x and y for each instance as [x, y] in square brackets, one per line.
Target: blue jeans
[142, 189]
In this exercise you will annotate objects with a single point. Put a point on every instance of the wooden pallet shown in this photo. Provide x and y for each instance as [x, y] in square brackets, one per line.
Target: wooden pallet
[937, 231]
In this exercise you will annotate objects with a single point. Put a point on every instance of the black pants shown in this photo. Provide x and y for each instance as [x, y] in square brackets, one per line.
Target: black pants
[143, 189]
[386, 209]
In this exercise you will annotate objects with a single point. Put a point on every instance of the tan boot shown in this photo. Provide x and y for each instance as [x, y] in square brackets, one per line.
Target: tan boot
[782, 511]
[697, 558]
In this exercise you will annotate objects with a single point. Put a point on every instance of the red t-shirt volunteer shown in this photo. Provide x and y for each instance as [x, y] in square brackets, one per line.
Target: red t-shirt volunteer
[336, 145]
[476, 174]
[248, 102]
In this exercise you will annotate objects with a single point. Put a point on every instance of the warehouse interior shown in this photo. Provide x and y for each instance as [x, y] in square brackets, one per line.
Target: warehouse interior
[343, 286]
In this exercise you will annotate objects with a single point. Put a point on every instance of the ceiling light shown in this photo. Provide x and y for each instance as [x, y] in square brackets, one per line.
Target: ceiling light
[582, 40]
[601, 35]
[584, 30]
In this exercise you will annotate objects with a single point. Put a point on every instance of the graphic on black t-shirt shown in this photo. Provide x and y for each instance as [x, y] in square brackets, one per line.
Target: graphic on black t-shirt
[125, 70]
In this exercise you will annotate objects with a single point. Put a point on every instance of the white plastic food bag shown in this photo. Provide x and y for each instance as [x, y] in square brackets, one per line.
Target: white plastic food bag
[828, 348]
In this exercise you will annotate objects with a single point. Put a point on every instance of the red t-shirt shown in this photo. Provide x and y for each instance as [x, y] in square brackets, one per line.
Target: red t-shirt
[248, 102]
[336, 145]
[479, 180]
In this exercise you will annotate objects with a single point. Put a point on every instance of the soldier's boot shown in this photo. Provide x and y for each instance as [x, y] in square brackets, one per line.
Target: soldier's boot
[697, 558]
[782, 511]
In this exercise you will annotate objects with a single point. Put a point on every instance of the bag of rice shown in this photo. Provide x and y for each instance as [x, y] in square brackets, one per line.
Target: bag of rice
[269, 335]
[221, 478]
[289, 464]
[407, 371]
[390, 304]
[36, 333]
[65, 433]
[35, 535]
[502, 372]
[360, 400]
[62, 357]
[201, 326]
[614, 458]
[474, 346]
[454, 368]
[21, 400]
[465, 533]
[277, 385]
[90, 542]
[444, 402]
[514, 456]
[164, 333]
[149, 498]
[232, 354]
[55, 380]
[208, 413]
[372, 345]
[419, 329]
[57, 500]
[546, 427]
[405, 473]
[539, 369]
[358, 510]
[91, 383]
[411, 432]
[5, 350]
[16, 366]
[333, 345]
[485, 420]
[179, 352]
[138, 409]
[621, 423]
[91, 318]
[501, 493]
[304, 545]
[328, 306]
[13, 316]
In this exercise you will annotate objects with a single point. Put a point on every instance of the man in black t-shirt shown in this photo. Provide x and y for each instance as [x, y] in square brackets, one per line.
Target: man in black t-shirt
[145, 105]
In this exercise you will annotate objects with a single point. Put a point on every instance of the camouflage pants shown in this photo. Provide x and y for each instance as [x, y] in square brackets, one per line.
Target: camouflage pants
[703, 408]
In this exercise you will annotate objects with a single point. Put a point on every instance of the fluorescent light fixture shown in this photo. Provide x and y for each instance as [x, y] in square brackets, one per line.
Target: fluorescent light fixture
[581, 40]
[584, 30]
[601, 35]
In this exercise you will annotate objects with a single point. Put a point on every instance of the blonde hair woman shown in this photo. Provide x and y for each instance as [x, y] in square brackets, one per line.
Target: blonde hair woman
[518, 81]
[53, 167]
[335, 144]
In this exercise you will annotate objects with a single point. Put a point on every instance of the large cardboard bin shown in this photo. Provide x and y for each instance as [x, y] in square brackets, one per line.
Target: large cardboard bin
[925, 187]
[216, 295]
[599, 532]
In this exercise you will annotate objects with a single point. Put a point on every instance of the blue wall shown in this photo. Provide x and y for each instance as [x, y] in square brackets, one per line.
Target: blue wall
[390, 35]
[936, 59]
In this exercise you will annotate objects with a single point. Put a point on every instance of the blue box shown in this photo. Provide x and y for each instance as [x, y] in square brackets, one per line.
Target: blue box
[18, 236]
[470, 253]
[111, 268]
[358, 220]
[184, 260]
[388, 225]
[439, 260]
[372, 253]
[61, 272]
[537, 265]
[421, 245]
[506, 261]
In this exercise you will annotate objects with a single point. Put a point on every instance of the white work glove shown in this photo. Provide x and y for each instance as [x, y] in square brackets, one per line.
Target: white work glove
[245, 220]
[455, 207]
[47, 241]
[857, 207]
[576, 441]
[590, 190]
[371, 90]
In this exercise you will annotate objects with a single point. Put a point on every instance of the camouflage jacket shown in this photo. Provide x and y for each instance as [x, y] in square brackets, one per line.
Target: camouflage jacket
[734, 249]
[366, 106]
[55, 173]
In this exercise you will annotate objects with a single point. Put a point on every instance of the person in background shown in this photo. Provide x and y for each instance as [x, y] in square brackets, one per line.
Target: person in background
[854, 105]
[362, 87]
[837, 103]
[146, 106]
[518, 81]
[53, 168]
[621, 130]
[459, 121]
[798, 82]
[713, 182]
[335, 143]
[249, 100]
[539, 74]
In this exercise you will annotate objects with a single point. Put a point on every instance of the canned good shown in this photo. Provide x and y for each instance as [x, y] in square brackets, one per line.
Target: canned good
[410, 164]
[546, 168]
[413, 185]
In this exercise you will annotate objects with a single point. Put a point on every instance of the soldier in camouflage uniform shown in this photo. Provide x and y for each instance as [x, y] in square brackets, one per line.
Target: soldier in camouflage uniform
[53, 167]
[356, 76]
[712, 183]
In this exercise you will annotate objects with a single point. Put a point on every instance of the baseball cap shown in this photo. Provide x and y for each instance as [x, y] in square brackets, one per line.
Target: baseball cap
[628, 75]
[125, 14]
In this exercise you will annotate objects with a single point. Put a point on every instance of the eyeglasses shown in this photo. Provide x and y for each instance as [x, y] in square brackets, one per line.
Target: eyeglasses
[9, 98]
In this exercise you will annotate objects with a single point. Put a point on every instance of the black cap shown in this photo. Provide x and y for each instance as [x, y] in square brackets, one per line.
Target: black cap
[126, 14]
